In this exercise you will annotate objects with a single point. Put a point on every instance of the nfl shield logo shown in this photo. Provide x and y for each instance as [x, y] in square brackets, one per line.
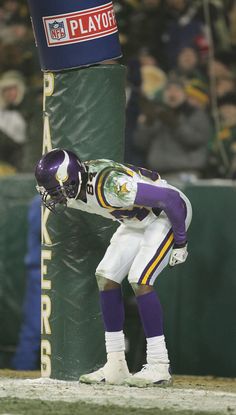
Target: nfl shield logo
[57, 30]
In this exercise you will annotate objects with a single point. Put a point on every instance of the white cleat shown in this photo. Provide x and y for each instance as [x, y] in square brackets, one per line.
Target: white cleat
[94, 377]
[157, 374]
[114, 372]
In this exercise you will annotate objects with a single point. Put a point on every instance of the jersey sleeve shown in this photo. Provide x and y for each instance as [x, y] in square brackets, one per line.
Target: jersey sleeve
[120, 189]
[170, 201]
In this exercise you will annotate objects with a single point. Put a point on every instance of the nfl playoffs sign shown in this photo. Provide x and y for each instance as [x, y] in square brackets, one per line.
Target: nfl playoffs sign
[75, 33]
[80, 26]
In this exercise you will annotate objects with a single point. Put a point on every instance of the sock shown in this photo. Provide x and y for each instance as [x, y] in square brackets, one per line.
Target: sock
[150, 311]
[156, 350]
[115, 342]
[112, 309]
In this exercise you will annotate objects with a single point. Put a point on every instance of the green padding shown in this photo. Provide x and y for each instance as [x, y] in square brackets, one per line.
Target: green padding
[15, 194]
[87, 111]
[199, 297]
[86, 114]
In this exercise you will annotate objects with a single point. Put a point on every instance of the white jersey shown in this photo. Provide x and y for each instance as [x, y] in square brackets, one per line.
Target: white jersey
[111, 191]
[142, 244]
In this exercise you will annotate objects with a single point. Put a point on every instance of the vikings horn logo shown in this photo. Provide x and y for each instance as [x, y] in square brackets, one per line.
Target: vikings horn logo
[62, 171]
[57, 30]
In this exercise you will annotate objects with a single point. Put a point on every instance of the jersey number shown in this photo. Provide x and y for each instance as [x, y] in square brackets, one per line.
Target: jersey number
[90, 189]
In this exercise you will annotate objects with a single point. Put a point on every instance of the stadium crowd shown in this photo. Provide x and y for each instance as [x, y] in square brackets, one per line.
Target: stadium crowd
[20, 90]
[181, 93]
[181, 97]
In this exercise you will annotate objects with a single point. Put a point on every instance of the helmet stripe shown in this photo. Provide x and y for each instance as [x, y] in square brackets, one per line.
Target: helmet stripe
[62, 171]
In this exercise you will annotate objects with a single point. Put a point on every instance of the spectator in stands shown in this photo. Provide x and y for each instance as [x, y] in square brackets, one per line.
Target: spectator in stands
[223, 65]
[124, 10]
[232, 23]
[182, 28]
[12, 11]
[13, 89]
[214, 15]
[146, 25]
[145, 82]
[153, 78]
[134, 82]
[12, 123]
[177, 137]
[16, 38]
[197, 93]
[223, 157]
[189, 64]
[224, 85]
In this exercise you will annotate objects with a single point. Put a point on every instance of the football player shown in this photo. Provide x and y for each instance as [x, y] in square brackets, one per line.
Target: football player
[154, 217]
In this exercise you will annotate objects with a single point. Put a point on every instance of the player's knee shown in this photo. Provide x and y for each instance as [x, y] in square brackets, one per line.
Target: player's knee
[105, 284]
[140, 289]
[134, 286]
[101, 282]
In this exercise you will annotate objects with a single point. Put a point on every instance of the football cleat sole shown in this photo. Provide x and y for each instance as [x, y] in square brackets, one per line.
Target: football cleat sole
[144, 383]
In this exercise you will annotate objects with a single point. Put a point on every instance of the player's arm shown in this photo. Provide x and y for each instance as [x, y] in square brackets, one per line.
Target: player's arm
[172, 204]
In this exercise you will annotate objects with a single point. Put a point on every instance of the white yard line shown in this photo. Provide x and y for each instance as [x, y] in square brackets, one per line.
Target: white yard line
[163, 398]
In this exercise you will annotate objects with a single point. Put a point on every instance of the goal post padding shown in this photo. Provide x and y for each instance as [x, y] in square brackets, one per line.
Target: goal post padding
[84, 111]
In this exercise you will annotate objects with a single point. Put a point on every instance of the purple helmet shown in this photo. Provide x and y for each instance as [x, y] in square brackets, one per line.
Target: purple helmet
[59, 178]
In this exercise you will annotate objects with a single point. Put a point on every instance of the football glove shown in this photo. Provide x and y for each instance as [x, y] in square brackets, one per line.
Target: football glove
[178, 255]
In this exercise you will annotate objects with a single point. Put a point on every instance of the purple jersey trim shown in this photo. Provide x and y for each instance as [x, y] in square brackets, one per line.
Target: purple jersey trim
[170, 201]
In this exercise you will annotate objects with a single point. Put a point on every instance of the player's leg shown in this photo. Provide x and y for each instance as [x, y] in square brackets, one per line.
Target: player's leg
[152, 258]
[111, 271]
[157, 369]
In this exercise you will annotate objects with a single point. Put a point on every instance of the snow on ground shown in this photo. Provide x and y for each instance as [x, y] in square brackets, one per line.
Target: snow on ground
[156, 397]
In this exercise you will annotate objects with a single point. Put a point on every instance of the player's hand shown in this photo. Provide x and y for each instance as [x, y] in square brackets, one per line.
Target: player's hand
[178, 255]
